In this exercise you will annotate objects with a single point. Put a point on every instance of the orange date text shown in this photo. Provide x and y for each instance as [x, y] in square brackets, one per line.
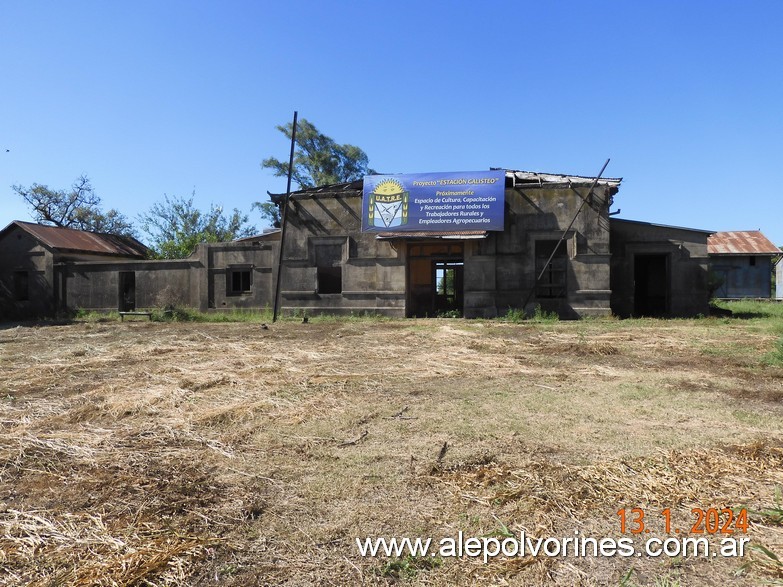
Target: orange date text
[702, 521]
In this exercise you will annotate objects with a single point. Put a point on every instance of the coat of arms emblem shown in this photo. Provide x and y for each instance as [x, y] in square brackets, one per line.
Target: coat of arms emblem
[388, 205]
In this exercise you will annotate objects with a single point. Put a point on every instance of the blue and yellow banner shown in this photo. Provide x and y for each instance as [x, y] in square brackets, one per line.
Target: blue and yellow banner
[462, 200]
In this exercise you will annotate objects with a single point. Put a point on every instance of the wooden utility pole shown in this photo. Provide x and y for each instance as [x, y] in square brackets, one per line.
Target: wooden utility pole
[283, 214]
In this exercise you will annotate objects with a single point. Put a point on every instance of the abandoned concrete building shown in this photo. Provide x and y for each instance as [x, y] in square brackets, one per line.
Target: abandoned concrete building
[45, 270]
[741, 262]
[557, 247]
[32, 258]
[537, 239]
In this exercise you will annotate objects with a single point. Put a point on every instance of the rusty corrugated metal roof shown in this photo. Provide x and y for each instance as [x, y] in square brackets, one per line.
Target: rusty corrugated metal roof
[741, 242]
[71, 240]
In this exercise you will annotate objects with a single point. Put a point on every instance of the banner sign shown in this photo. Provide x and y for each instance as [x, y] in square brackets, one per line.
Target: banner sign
[463, 200]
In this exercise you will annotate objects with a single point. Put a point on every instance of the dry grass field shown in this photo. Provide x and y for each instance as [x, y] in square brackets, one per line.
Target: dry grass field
[145, 453]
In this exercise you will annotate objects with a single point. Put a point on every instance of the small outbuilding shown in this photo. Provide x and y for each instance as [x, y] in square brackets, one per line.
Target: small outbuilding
[741, 264]
[32, 257]
[658, 270]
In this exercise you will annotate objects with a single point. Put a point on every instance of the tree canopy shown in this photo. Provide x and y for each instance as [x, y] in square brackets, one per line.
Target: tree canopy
[269, 212]
[175, 226]
[79, 208]
[318, 159]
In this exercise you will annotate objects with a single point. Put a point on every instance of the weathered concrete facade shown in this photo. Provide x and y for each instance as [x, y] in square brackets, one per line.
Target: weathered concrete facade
[26, 276]
[501, 270]
[31, 283]
[397, 273]
[219, 276]
[658, 270]
[559, 249]
[215, 277]
[330, 266]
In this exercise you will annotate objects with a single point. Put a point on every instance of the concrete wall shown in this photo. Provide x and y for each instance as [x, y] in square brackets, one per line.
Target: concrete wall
[500, 271]
[373, 272]
[95, 286]
[198, 282]
[259, 258]
[92, 282]
[20, 252]
[742, 276]
[687, 266]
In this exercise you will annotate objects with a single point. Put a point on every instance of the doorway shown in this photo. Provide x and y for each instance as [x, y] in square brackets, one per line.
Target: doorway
[447, 287]
[651, 285]
[127, 292]
[435, 280]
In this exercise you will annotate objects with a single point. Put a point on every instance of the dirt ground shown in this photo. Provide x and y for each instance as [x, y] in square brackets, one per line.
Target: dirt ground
[145, 453]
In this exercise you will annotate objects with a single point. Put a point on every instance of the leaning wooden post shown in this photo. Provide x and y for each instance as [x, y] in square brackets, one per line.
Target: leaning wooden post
[562, 237]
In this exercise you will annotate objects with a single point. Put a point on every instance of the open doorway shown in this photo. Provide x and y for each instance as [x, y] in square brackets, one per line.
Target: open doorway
[127, 292]
[447, 294]
[435, 280]
[651, 285]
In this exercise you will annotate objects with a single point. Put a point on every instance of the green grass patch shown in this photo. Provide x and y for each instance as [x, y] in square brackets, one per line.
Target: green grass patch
[179, 315]
[94, 316]
[775, 356]
[408, 566]
[750, 309]
[539, 315]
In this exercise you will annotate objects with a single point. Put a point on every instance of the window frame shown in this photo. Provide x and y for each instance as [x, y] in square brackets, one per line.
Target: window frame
[553, 284]
[329, 274]
[241, 272]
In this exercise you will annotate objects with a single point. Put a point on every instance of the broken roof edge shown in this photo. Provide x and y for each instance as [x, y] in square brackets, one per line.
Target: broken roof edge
[267, 234]
[529, 178]
[348, 188]
[540, 178]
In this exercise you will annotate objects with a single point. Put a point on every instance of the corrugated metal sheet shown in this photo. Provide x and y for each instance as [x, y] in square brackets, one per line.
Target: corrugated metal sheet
[741, 242]
[535, 177]
[68, 239]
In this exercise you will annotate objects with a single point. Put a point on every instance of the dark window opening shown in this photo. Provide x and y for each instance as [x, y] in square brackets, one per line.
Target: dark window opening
[21, 286]
[330, 280]
[329, 269]
[552, 283]
[239, 281]
[753, 261]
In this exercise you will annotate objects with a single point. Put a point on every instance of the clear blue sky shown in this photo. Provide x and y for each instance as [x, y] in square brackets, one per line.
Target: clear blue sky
[167, 97]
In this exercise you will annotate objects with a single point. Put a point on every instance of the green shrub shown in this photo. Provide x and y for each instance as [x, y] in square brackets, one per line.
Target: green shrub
[541, 315]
